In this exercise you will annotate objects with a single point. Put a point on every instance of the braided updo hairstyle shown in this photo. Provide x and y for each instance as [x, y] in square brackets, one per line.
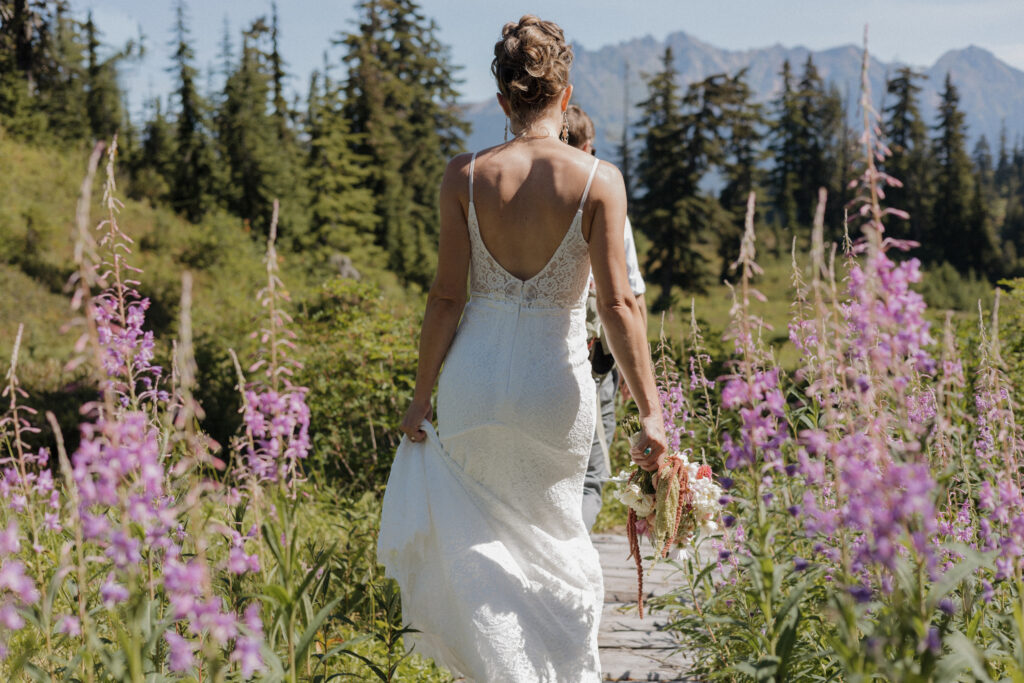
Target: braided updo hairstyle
[531, 65]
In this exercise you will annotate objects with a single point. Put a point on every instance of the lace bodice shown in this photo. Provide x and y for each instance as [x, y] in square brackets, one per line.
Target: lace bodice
[561, 283]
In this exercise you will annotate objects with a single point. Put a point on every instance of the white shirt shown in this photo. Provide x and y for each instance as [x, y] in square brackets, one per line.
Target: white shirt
[636, 281]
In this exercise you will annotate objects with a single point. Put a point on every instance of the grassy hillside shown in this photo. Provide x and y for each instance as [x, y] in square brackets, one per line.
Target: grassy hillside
[36, 254]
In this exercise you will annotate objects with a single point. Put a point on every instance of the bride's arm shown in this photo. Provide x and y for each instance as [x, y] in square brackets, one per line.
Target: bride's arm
[620, 312]
[447, 296]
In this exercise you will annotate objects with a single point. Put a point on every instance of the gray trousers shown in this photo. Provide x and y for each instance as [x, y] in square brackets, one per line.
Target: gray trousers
[597, 473]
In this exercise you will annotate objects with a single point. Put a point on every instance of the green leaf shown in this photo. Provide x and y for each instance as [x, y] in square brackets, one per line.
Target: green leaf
[277, 594]
[373, 667]
[956, 574]
[314, 626]
[963, 657]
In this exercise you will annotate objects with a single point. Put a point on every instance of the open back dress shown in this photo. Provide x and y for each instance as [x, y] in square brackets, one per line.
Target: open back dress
[481, 523]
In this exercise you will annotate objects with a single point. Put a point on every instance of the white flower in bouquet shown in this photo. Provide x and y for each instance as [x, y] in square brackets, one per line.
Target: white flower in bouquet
[705, 494]
[632, 496]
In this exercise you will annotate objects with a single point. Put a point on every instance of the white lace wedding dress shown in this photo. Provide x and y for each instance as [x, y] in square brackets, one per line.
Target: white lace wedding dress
[481, 524]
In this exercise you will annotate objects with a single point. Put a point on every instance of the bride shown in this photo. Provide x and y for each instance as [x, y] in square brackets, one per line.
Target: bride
[481, 524]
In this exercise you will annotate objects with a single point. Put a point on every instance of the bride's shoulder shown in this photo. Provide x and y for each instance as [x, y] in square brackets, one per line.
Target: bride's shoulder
[456, 174]
[608, 182]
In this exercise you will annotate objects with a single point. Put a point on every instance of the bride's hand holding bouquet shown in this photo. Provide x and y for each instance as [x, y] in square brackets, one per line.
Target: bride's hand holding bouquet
[647, 446]
[670, 499]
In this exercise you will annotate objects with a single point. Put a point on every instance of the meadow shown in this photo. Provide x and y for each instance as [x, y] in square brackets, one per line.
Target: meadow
[871, 526]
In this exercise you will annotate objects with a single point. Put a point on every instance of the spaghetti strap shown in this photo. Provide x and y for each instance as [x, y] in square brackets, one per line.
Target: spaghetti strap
[472, 165]
[586, 190]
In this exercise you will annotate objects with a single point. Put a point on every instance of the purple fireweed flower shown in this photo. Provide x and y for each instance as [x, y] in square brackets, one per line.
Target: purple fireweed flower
[19, 585]
[860, 593]
[697, 378]
[933, 641]
[886, 317]
[123, 550]
[240, 563]
[762, 411]
[278, 423]
[112, 592]
[675, 414]
[921, 407]
[181, 652]
[803, 335]
[69, 625]
[10, 539]
[128, 350]
[221, 626]
[10, 618]
[118, 469]
[247, 647]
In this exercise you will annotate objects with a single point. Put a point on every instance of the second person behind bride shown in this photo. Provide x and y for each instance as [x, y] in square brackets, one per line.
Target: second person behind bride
[602, 363]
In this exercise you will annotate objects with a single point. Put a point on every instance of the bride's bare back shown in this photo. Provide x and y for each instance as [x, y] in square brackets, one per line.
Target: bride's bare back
[526, 194]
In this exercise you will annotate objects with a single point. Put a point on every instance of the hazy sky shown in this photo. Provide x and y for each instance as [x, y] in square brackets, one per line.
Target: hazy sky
[912, 31]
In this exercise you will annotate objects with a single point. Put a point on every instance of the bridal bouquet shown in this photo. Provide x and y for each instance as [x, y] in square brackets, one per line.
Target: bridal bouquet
[669, 506]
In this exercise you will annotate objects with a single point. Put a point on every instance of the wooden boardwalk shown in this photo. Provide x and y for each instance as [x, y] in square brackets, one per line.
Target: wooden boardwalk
[634, 649]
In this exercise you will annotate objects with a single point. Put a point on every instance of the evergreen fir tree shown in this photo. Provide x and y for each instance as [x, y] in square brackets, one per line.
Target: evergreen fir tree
[986, 256]
[153, 173]
[911, 161]
[62, 79]
[20, 56]
[625, 155]
[983, 162]
[955, 231]
[341, 208]
[247, 135]
[1003, 170]
[191, 183]
[277, 76]
[103, 96]
[226, 53]
[682, 138]
[785, 147]
[812, 172]
[401, 102]
[740, 166]
[259, 164]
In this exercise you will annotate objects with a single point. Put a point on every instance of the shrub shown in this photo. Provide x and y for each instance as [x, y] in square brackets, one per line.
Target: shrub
[361, 370]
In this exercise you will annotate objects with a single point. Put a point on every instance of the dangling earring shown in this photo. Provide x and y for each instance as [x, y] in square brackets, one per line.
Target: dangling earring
[506, 129]
[564, 136]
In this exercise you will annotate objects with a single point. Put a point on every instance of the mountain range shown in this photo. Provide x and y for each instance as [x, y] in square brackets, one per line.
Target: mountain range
[991, 91]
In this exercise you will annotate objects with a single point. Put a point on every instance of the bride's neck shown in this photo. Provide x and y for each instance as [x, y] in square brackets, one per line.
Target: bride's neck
[548, 125]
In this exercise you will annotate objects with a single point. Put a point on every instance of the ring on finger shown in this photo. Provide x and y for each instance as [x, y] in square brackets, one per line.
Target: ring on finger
[647, 451]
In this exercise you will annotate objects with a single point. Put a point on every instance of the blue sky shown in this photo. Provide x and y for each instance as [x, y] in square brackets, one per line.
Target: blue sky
[912, 31]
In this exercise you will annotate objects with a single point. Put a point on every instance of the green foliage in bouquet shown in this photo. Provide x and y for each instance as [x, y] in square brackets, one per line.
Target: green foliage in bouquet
[666, 513]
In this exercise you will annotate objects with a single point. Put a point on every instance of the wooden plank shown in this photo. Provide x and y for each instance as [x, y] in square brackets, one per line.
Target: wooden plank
[635, 649]
[629, 665]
